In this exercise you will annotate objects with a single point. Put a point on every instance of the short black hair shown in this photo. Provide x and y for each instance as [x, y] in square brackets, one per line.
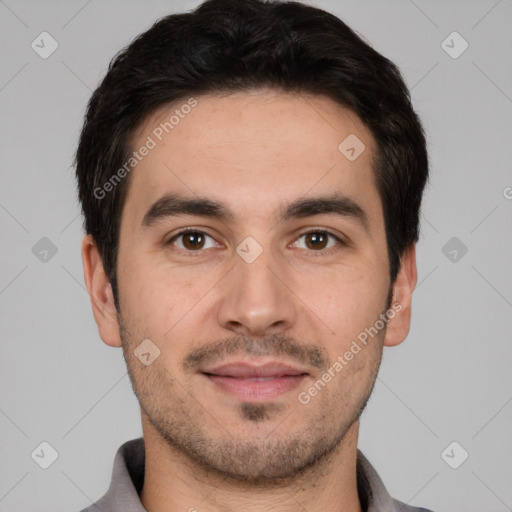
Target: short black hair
[231, 46]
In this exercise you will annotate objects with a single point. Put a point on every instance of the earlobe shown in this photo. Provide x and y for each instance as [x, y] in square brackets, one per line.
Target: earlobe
[100, 293]
[405, 282]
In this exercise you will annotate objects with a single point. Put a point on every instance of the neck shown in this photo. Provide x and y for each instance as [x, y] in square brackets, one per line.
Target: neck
[173, 483]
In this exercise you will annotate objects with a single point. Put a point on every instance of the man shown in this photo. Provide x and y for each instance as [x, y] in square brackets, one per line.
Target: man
[251, 176]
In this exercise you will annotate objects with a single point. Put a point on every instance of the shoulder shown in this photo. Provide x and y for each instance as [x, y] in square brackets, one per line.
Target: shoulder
[403, 507]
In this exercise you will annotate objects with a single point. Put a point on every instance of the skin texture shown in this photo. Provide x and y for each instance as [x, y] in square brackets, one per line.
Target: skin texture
[302, 301]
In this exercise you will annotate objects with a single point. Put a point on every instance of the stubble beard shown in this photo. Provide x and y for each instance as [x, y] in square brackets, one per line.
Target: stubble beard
[272, 458]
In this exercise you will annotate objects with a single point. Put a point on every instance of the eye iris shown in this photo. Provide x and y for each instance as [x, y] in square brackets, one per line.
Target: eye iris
[193, 240]
[318, 240]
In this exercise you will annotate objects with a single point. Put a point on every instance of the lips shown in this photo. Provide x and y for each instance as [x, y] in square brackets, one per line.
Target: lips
[244, 370]
[255, 383]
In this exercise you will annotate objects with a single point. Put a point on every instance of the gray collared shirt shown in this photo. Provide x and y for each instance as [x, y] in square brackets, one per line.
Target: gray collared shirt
[128, 478]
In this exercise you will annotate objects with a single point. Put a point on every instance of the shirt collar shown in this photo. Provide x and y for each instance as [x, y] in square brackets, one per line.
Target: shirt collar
[128, 479]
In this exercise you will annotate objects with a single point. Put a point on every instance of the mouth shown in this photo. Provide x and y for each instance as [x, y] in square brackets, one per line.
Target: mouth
[257, 383]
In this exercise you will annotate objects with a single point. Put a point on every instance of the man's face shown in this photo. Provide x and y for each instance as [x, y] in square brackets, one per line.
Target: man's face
[253, 288]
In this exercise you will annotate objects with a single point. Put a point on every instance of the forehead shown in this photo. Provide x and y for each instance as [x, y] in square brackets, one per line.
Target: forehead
[255, 151]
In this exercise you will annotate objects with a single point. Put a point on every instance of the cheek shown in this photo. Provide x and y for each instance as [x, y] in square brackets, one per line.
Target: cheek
[147, 301]
[167, 307]
[348, 297]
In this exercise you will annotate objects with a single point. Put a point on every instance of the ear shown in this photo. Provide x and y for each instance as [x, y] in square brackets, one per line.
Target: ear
[398, 326]
[100, 293]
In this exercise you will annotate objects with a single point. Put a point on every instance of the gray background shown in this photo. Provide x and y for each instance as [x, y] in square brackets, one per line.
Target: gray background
[451, 379]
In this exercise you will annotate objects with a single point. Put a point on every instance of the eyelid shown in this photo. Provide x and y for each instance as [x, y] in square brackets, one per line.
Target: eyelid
[323, 252]
[184, 231]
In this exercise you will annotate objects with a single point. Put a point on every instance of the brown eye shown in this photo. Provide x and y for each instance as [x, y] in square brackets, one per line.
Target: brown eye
[316, 239]
[319, 241]
[191, 241]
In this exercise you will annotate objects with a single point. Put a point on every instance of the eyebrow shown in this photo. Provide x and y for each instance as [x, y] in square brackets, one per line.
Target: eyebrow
[171, 205]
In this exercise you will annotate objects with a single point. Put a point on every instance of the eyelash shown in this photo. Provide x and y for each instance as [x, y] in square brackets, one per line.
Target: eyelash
[319, 253]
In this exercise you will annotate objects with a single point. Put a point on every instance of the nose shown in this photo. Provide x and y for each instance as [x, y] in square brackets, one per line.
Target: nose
[257, 298]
